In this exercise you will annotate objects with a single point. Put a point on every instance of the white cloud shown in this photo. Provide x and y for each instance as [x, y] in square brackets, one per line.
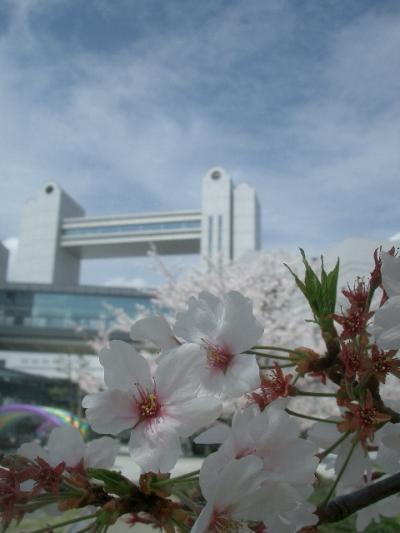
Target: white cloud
[308, 114]
[138, 283]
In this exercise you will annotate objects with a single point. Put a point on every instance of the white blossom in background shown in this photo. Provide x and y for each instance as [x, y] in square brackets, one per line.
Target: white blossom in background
[65, 444]
[262, 277]
[158, 408]
[286, 468]
[277, 302]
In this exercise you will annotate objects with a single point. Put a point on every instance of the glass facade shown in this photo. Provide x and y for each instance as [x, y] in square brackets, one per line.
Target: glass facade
[132, 228]
[59, 310]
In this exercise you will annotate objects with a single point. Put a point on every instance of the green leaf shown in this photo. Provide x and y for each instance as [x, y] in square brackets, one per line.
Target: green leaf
[114, 482]
[320, 293]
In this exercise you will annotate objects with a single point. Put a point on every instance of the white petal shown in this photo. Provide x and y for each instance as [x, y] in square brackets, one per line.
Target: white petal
[123, 366]
[212, 467]
[237, 482]
[364, 517]
[194, 414]
[203, 520]
[155, 450]
[324, 435]
[242, 375]
[390, 274]
[156, 330]
[65, 444]
[239, 328]
[214, 435]
[201, 320]
[386, 327]
[177, 374]
[275, 498]
[357, 465]
[32, 450]
[101, 453]
[110, 412]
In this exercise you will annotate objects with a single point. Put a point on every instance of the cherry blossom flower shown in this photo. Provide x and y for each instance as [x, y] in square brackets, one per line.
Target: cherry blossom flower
[381, 364]
[386, 327]
[10, 495]
[223, 329]
[388, 456]
[65, 445]
[274, 384]
[358, 296]
[324, 435]
[157, 409]
[287, 463]
[390, 274]
[352, 356]
[234, 498]
[363, 418]
[156, 330]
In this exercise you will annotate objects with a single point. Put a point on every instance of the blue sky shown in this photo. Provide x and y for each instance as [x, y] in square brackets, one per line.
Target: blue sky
[127, 103]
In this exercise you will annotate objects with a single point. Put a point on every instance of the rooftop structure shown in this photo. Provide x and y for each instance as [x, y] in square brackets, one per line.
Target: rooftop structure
[56, 234]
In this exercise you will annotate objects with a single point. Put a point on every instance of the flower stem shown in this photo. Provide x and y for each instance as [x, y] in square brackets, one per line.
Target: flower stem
[310, 393]
[278, 349]
[273, 356]
[341, 472]
[309, 417]
[296, 379]
[178, 479]
[325, 453]
[186, 500]
[65, 523]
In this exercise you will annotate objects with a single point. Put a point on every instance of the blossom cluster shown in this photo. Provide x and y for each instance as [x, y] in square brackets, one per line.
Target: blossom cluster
[263, 473]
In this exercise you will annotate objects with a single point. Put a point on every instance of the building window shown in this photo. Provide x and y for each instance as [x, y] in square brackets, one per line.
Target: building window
[210, 234]
[180, 225]
[219, 233]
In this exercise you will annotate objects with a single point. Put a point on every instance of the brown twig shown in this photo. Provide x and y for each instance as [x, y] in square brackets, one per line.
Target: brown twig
[344, 506]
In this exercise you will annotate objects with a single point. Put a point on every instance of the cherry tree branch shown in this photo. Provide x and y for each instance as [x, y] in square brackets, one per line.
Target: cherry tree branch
[344, 506]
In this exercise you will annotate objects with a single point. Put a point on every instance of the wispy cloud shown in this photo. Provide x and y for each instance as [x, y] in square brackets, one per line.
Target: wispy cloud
[123, 102]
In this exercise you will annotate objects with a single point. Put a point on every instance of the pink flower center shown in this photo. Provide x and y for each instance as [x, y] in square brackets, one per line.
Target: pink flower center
[221, 522]
[218, 357]
[245, 452]
[148, 403]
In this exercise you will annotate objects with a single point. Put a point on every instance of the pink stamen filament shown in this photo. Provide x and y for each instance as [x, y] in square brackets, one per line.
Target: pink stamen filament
[218, 357]
[148, 403]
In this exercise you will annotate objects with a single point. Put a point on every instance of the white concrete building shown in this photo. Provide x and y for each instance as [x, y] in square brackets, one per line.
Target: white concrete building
[55, 234]
[3, 262]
